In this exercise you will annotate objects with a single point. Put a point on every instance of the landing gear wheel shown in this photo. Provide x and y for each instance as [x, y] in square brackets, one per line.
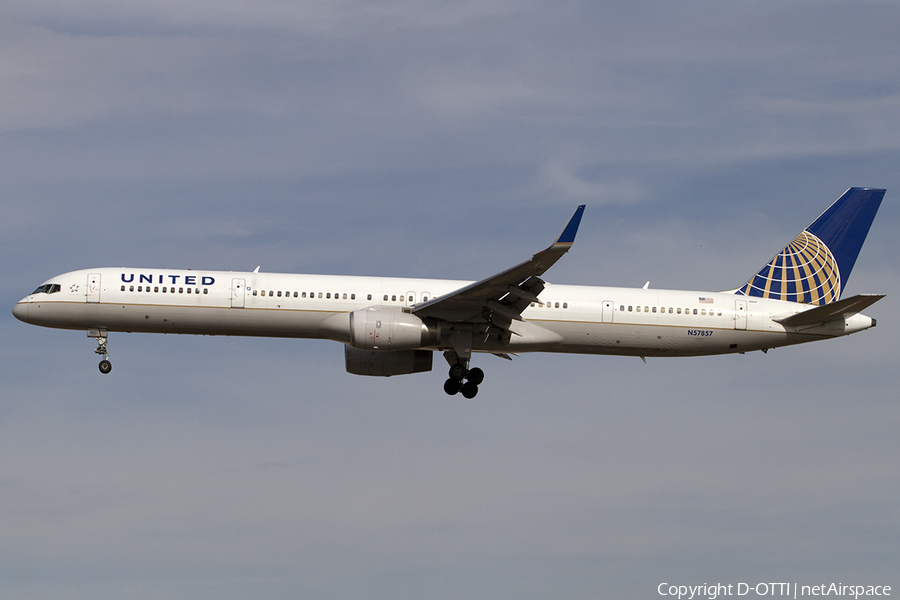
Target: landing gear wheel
[105, 366]
[457, 372]
[476, 376]
[469, 390]
[452, 386]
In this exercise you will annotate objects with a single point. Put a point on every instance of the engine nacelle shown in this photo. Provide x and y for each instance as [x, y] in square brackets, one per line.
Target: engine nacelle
[372, 329]
[378, 363]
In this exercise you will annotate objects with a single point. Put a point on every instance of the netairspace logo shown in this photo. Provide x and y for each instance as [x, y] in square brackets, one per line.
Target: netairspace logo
[791, 590]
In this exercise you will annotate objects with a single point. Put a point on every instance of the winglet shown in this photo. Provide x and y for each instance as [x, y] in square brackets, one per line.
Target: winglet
[567, 237]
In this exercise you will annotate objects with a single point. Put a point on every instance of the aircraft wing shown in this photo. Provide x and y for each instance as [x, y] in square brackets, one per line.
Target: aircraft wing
[501, 298]
[841, 309]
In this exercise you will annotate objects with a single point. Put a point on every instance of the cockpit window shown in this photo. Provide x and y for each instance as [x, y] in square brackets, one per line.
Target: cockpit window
[47, 288]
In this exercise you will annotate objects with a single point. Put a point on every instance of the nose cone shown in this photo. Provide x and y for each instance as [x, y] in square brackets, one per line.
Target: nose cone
[20, 311]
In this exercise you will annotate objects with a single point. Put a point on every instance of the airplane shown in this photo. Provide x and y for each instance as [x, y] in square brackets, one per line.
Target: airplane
[393, 326]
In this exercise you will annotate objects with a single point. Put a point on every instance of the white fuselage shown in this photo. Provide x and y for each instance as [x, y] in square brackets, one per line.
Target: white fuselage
[570, 318]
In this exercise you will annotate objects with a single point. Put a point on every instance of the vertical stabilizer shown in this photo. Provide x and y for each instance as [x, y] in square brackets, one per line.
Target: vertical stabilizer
[815, 266]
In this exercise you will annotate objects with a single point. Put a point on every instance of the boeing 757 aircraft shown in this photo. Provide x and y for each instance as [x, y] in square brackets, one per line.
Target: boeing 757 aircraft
[393, 326]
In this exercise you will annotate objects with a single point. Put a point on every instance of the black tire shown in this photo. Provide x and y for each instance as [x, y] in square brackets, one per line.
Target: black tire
[476, 376]
[469, 390]
[457, 372]
[452, 386]
[105, 366]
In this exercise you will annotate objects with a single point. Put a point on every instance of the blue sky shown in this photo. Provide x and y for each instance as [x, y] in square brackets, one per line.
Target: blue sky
[441, 139]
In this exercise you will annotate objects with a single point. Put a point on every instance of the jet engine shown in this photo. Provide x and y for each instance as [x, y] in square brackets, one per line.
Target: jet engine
[384, 364]
[372, 329]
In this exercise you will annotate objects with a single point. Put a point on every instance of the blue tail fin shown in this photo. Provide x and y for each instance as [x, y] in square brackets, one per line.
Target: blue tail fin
[814, 268]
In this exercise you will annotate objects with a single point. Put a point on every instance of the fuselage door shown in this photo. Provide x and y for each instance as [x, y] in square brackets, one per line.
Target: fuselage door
[607, 314]
[740, 314]
[93, 287]
[237, 293]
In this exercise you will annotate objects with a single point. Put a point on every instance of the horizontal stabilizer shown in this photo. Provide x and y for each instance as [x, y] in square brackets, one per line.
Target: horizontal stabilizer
[841, 309]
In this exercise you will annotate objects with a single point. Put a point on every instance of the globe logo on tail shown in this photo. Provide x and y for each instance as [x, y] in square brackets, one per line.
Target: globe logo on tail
[805, 271]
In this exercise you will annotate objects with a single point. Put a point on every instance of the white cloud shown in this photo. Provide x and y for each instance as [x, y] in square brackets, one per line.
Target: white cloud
[562, 183]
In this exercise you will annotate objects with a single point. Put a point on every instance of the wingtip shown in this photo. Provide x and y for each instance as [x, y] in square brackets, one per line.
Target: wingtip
[567, 237]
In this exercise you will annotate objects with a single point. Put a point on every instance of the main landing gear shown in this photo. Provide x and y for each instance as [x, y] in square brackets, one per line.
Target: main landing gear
[105, 365]
[459, 372]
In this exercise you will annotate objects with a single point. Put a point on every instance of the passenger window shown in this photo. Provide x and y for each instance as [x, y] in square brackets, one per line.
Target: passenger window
[328, 296]
[695, 311]
[254, 291]
[320, 295]
[703, 311]
[654, 309]
[394, 298]
[622, 308]
[180, 290]
[156, 289]
[353, 296]
[369, 297]
[189, 291]
[670, 310]
[303, 295]
[385, 297]
[679, 311]
[130, 288]
[638, 309]
[123, 288]
[205, 290]
[630, 307]
[565, 305]
[345, 297]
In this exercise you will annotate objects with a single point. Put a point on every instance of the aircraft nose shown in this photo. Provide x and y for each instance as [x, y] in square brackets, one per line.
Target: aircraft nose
[20, 311]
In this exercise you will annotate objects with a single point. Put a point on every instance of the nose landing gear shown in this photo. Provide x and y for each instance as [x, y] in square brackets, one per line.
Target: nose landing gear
[101, 336]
